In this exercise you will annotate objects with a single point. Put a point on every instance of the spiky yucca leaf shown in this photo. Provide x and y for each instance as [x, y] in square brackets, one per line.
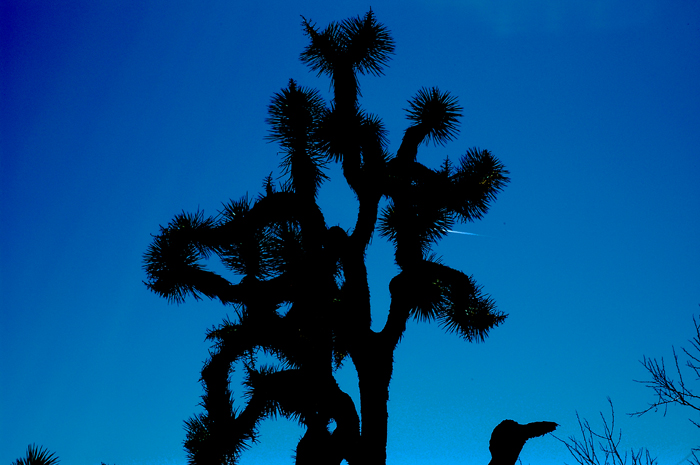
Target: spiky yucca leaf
[171, 261]
[294, 114]
[340, 133]
[262, 239]
[249, 249]
[274, 391]
[468, 312]
[262, 390]
[436, 113]
[418, 214]
[37, 456]
[235, 209]
[325, 48]
[219, 434]
[369, 44]
[360, 43]
[373, 130]
[475, 184]
[209, 442]
[294, 117]
[453, 299]
[419, 225]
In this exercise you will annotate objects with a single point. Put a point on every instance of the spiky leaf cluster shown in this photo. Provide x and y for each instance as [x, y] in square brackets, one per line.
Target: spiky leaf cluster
[475, 183]
[435, 114]
[295, 115]
[359, 44]
[435, 292]
[425, 203]
[254, 248]
[172, 260]
[37, 456]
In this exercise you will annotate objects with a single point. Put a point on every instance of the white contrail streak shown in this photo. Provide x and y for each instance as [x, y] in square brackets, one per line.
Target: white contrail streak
[462, 232]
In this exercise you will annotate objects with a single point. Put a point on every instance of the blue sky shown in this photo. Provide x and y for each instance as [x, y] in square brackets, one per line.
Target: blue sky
[118, 115]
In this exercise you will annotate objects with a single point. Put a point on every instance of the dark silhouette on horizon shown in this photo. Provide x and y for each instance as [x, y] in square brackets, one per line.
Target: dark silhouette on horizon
[509, 437]
[37, 456]
[304, 295]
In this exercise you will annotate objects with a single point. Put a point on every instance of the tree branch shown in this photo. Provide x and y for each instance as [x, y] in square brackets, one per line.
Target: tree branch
[603, 448]
[668, 390]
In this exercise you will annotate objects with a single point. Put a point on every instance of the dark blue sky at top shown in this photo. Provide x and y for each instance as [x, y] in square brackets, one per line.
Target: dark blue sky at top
[118, 115]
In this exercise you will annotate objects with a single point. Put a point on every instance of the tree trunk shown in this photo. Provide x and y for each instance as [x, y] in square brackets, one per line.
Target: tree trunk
[374, 371]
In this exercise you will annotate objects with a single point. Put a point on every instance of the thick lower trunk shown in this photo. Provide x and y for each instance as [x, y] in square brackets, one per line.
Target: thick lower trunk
[374, 371]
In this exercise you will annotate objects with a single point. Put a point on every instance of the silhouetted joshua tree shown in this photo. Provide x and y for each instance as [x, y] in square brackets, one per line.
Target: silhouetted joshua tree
[37, 456]
[509, 437]
[303, 295]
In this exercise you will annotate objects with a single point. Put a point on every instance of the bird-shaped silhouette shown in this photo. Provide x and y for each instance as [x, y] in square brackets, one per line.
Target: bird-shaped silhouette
[509, 437]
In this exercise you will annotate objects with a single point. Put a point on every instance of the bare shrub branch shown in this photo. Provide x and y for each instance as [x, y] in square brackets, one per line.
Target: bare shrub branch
[669, 390]
[603, 448]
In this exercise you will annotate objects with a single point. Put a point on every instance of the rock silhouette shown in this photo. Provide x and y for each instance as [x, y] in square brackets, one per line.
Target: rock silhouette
[509, 437]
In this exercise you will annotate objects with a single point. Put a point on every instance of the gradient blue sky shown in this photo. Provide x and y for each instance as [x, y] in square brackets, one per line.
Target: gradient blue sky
[117, 115]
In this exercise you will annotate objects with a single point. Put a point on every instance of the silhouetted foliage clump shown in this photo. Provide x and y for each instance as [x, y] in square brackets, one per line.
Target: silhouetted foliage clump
[37, 456]
[303, 295]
